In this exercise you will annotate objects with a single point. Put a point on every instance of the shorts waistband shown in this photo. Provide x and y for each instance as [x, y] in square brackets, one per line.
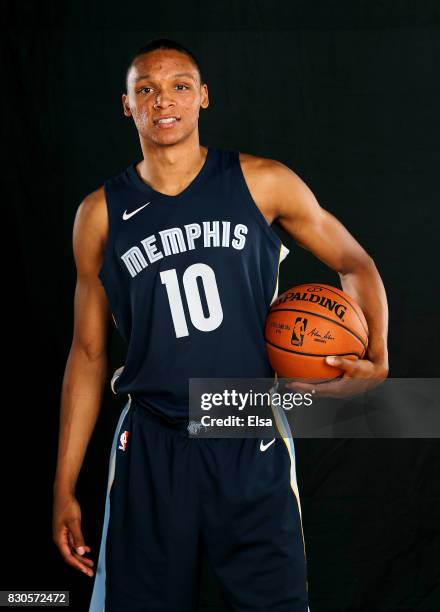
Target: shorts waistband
[180, 424]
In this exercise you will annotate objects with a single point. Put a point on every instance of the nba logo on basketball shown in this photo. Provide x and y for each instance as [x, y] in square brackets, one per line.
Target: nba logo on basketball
[123, 440]
[298, 332]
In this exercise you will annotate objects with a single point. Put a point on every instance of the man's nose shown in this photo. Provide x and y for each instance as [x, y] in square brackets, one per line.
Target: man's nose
[163, 99]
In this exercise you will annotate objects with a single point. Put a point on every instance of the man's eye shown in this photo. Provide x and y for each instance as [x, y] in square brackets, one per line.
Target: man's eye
[147, 90]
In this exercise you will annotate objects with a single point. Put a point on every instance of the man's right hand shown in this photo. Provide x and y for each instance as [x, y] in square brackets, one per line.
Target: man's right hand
[67, 535]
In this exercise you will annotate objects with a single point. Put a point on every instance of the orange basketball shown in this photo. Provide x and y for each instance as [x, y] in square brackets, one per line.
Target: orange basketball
[309, 322]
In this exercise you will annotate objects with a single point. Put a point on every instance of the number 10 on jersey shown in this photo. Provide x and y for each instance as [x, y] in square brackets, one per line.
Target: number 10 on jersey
[193, 299]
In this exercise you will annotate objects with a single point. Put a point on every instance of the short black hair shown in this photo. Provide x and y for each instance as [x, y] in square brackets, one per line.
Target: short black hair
[165, 43]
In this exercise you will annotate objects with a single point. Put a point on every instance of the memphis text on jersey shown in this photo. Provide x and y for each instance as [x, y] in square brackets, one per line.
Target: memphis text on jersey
[179, 240]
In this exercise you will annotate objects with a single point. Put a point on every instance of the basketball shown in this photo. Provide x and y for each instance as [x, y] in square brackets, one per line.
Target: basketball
[309, 322]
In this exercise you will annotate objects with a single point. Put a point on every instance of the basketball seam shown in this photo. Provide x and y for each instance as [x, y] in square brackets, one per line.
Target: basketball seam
[309, 354]
[321, 317]
[327, 288]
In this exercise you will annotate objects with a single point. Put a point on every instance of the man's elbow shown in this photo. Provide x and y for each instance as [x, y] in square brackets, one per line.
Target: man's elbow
[90, 351]
[362, 264]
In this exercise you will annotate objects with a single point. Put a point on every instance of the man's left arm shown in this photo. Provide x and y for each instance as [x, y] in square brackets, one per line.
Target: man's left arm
[296, 209]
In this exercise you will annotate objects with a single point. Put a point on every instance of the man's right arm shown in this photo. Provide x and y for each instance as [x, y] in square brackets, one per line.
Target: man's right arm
[85, 375]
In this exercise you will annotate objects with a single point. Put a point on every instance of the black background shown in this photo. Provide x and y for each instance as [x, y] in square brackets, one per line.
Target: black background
[346, 94]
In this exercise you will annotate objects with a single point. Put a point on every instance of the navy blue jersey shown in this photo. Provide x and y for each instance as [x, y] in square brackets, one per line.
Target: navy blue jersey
[189, 279]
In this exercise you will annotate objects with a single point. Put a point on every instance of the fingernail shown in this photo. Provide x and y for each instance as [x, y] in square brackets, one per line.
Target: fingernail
[80, 550]
[331, 360]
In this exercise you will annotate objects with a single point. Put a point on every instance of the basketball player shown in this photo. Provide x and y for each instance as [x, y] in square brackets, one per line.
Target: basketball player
[179, 251]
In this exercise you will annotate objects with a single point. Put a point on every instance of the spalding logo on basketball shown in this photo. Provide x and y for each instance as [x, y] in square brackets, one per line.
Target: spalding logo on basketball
[309, 322]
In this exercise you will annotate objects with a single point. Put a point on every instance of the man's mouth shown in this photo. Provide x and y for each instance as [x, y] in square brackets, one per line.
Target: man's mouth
[166, 121]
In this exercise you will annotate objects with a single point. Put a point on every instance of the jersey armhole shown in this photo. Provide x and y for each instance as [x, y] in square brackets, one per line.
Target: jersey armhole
[103, 269]
[284, 251]
[270, 232]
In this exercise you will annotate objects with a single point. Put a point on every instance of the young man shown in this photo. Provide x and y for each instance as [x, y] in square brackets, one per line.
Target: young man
[178, 249]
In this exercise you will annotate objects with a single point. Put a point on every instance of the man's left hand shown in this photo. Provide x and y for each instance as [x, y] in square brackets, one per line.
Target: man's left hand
[359, 376]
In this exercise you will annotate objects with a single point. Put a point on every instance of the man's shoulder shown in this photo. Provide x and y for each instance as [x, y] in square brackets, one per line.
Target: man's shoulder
[93, 206]
[94, 199]
[92, 217]
[257, 161]
[264, 171]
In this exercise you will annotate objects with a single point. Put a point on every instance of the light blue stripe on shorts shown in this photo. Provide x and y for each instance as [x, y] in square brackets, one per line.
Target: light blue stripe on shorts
[98, 596]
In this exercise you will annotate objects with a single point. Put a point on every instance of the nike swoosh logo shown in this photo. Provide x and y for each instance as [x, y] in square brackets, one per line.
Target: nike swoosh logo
[264, 447]
[127, 215]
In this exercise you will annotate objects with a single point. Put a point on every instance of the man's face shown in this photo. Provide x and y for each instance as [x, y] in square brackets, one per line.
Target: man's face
[164, 84]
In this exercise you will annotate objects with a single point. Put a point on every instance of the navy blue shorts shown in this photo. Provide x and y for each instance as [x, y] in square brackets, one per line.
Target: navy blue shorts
[171, 496]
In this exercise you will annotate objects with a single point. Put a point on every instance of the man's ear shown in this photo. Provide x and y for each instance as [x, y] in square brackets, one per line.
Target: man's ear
[126, 106]
[205, 97]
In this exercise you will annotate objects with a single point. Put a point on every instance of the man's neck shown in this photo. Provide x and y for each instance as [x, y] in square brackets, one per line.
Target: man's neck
[171, 169]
